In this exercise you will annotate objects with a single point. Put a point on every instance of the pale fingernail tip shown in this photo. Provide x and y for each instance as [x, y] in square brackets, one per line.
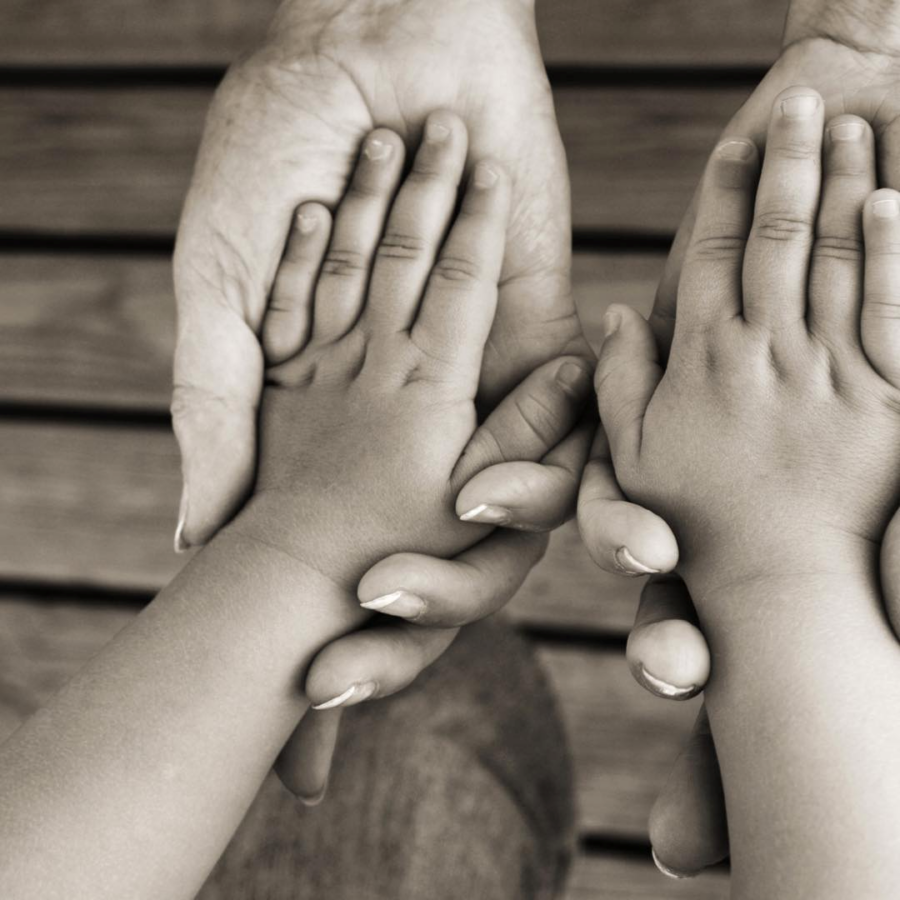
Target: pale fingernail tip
[383, 601]
[313, 799]
[737, 150]
[337, 701]
[181, 545]
[886, 208]
[486, 514]
[611, 322]
[664, 688]
[667, 870]
[631, 566]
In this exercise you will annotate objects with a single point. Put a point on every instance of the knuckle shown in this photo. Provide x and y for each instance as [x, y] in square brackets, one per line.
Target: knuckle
[396, 245]
[781, 225]
[798, 148]
[842, 247]
[344, 263]
[717, 248]
[880, 306]
[456, 270]
[540, 418]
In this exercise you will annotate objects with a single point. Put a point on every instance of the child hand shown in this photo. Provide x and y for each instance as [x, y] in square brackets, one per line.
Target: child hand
[771, 442]
[375, 334]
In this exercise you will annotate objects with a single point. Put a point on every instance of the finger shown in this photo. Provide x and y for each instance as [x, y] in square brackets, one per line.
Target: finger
[452, 592]
[880, 323]
[218, 379]
[787, 200]
[358, 224]
[890, 572]
[710, 288]
[528, 495]
[621, 537]
[457, 311]
[666, 650]
[688, 826]
[662, 318]
[528, 424]
[417, 223]
[305, 762]
[627, 375]
[288, 316]
[835, 279]
[374, 662]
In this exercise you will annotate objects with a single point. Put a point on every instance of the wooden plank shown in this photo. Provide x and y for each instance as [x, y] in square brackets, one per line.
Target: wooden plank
[623, 740]
[213, 32]
[98, 331]
[118, 161]
[608, 876]
[96, 506]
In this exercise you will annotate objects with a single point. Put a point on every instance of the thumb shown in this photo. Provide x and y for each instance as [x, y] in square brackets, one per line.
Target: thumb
[628, 372]
[218, 380]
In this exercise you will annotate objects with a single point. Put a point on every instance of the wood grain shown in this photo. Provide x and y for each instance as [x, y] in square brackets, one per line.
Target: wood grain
[118, 161]
[213, 32]
[97, 331]
[623, 740]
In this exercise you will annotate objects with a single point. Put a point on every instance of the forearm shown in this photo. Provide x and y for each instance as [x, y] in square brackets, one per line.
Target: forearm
[803, 705]
[133, 779]
[861, 24]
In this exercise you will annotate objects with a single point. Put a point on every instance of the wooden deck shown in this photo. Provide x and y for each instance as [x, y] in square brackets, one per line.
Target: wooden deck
[101, 109]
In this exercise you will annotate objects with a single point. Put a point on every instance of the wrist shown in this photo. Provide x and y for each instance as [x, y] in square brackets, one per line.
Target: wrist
[863, 25]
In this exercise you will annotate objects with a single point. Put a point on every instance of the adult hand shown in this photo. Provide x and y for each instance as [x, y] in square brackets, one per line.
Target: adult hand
[846, 51]
[284, 128]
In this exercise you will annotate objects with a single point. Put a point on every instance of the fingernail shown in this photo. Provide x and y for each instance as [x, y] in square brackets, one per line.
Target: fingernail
[668, 872]
[314, 799]
[735, 150]
[306, 224]
[847, 131]
[663, 688]
[436, 132]
[489, 515]
[573, 376]
[378, 150]
[801, 107]
[886, 209]
[398, 603]
[611, 322]
[485, 176]
[356, 692]
[630, 566]
[181, 545]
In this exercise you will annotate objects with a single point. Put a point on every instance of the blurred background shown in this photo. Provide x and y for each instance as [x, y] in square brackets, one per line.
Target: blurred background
[102, 105]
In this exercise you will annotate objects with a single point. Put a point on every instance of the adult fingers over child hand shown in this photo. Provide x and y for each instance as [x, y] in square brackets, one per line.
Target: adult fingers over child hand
[688, 827]
[666, 651]
[523, 465]
[304, 765]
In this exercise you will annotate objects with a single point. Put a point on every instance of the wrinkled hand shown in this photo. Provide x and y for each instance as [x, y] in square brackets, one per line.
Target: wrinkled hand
[856, 71]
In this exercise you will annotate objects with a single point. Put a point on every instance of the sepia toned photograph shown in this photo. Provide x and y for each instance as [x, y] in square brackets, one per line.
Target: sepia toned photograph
[449, 449]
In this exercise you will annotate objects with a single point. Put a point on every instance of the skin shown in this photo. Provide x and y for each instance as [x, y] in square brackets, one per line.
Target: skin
[163, 740]
[770, 442]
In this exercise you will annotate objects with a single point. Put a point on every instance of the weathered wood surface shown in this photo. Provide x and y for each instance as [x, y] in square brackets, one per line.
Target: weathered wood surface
[96, 505]
[98, 331]
[117, 161]
[214, 32]
[623, 740]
